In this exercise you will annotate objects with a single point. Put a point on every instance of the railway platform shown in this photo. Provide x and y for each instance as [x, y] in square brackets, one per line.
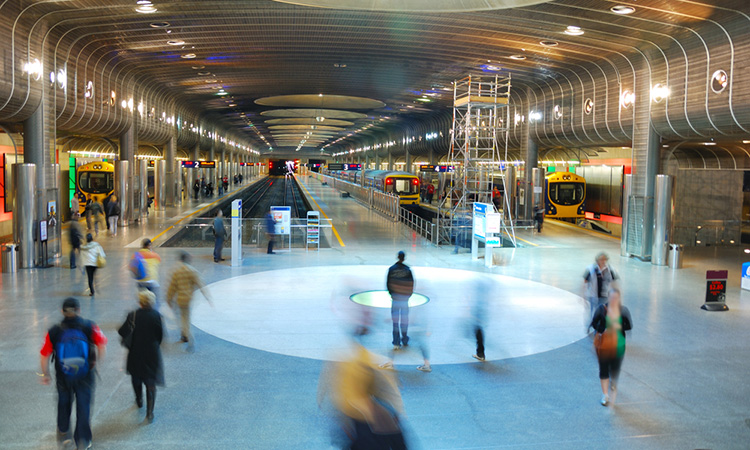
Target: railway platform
[277, 319]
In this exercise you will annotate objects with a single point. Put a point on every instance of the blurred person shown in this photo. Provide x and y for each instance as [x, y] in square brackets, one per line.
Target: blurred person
[270, 232]
[113, 214]
[539, 217]
[87, 213]
[185, 280]
[430, 192]
[145, 268]
[91, 251]
[75, 206]
[75, 236]
[96, 210]
[196, 188]
[597, 280]
[203, 187]
[220, 234]
[610, 322]
[420, 333]
[144, 363]
[367, 399]
[240, 178]
[497, 198]
[76, 345]
[225, 182]
[482, 290]
[400, 285]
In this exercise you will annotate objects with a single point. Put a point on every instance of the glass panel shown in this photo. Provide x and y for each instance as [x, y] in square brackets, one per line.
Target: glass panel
[567, 193]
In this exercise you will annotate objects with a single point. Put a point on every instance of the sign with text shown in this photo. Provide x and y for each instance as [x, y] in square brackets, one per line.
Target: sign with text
[199, 164]
[716, 290]
[282, 217]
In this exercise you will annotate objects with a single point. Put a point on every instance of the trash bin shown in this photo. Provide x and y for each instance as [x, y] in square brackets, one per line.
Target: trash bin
[675, 255]
[10, 258]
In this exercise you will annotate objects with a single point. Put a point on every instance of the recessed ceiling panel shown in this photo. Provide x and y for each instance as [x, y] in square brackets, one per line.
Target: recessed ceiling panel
[327, 113]
[321, 101]
[305, 128]
[416, 5]
[311, 121]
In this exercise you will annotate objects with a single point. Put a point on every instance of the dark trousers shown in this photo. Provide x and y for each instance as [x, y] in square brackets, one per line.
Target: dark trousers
[218, 247]
[90, 270]
[82, 390]
[480, 341]
[365, 439]
[270, 243]
[138, 385]
[400, 317]
[73, 257]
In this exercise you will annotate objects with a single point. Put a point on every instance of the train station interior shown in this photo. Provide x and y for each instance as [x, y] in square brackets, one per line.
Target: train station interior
[444, 129]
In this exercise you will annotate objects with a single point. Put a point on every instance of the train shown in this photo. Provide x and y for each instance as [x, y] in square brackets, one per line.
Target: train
[564, 195]
[403, 184]
[280, 167]
[95, 179]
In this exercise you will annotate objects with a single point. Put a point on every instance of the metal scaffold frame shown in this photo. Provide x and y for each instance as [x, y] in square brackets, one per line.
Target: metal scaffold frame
[479, 146]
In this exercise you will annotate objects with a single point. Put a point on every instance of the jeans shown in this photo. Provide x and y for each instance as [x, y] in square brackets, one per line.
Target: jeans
[73, 256]
[113, 224]
[400, 317]
[90, 271]
[218, 247]
[82, 390]
[480, 341]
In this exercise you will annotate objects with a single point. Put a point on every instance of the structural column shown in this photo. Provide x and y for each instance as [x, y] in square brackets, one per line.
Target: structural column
[128, 148]
[169, 178]
[390, 161]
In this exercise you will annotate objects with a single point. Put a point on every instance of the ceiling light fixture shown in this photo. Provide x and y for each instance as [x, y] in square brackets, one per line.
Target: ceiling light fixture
[145, 7]
[622, 9]
[198, 67]
[517, 57]
[548, 43]
[573, 30]
[188, 56]
[159, 24]
[659, 92]
[176, 42]
[627, 98]
[588, 106]
[719, 81]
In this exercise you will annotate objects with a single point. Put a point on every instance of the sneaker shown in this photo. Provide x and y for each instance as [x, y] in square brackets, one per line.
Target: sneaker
[605, 400]
[386, 365]
[480, 358]
[396, 348]
[424, 368]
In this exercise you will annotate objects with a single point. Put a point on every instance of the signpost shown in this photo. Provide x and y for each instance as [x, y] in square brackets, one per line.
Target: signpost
[716, 290]
[485, 228]
[282, 217]
[237, 233]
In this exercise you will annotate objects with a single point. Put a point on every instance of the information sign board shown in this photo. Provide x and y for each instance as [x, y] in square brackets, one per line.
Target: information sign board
[479, 220]
[282, 216]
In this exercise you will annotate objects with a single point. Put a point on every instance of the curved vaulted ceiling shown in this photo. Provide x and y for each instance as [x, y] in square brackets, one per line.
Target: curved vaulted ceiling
[218, 58]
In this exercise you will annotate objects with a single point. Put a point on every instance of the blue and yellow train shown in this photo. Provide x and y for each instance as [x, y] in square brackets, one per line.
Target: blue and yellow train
[403, 184]
[95, 179]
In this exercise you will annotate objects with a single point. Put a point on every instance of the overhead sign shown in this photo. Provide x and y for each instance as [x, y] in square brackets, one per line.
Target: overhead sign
[352, 167]
[335, 166]
[197, 164]
[434, 168]
[427, 168]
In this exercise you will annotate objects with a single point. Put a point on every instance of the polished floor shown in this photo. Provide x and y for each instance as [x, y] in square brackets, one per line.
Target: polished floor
[253, 379]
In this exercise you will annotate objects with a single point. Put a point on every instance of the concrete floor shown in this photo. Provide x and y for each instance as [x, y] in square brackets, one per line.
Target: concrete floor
[683, 383]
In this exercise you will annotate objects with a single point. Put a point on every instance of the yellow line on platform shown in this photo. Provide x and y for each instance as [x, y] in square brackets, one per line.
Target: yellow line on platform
[524, 240]
[324, 214]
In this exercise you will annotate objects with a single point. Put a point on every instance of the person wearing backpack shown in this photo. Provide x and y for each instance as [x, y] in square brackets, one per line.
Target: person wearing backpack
[77, 345]
[145, 268]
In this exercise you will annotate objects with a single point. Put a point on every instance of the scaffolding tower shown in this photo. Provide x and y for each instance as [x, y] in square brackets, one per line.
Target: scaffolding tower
[479, 147]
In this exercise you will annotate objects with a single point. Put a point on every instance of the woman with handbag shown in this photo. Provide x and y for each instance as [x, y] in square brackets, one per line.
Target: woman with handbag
[610, 323]
[93, 257]
[142, 334]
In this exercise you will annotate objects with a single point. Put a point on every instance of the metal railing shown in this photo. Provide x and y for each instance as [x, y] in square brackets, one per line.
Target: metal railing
[423, 227]
[709, 232]
[382, 202]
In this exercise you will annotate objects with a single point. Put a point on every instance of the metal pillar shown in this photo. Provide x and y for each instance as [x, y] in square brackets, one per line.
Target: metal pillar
[160, 170]
[390, 161]
[407, 160]
[178, 191]
[122, 190]
[128, 148]
[627, 190]
[662, 220]
[143, 187]
[531, 161]
[24, 179]
[169, 180]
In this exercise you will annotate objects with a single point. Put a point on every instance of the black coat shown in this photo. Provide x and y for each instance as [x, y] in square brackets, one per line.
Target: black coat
[144, 357]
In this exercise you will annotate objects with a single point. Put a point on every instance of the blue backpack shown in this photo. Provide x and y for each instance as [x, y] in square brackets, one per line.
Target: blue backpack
[72, 353]
[138, 266]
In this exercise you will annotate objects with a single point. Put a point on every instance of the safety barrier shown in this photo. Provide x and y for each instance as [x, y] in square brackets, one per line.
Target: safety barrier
[384, 203]
[423, 227]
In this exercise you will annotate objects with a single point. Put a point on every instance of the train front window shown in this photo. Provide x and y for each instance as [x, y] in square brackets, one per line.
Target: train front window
[404, 186]
[566, 194]
[96, 182]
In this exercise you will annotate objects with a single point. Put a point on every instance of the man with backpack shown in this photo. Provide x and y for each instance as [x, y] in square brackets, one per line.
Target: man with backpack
[76, 344]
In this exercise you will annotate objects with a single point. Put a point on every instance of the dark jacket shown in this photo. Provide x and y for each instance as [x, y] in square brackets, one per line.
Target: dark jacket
[219, 230]
[113, 208]
[400, 279]
[144, 357]
[599, 322]
[75, 234]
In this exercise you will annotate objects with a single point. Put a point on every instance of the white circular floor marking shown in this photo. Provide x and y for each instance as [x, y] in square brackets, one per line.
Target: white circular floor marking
[306, 312]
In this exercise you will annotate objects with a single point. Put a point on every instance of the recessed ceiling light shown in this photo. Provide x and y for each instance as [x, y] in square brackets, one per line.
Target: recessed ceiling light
[176, 42]
[204, 73]
[622, 9]
[232, 104]
[145, 7]
[188, 56]
[573, 30]
[159, 24]
[548, 43]
[517, 57]
[198, 67]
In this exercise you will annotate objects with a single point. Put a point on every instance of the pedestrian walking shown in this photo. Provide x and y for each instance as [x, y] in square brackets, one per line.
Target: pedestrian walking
[539, 217]
[610, 322]
[597, 280]
[270, 232]
[482, 289]
[77, 345]
[196, 188]
[92, 257]
[75, 236]
[220, 234]
[75, 207]
[400, 285]
[185, 280]
[142, 333]
[96, 210]
[113, 214]
[430, 192]
[145, 268]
